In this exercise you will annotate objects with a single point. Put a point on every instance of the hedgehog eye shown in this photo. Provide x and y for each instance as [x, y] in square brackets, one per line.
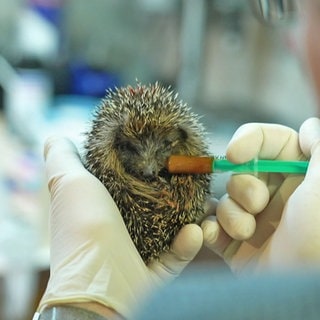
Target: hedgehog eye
[126, 146]
[167, 143]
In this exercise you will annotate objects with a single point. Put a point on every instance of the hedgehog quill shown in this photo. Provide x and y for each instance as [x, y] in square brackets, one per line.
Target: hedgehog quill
[133, 132]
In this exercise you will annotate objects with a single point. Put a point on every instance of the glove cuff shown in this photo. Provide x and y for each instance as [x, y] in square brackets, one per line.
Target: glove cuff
[67, 313]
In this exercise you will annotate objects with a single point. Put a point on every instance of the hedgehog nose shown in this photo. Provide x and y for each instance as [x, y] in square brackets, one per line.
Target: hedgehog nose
[149, 171]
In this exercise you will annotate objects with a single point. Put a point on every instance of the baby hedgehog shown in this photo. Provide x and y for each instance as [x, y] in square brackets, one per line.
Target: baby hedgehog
[134, 131]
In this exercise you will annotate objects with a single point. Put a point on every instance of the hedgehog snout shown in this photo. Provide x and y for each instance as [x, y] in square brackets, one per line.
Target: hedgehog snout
[148, 169]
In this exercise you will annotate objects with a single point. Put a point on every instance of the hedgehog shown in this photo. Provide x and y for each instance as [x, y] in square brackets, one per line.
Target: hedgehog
[133, 132]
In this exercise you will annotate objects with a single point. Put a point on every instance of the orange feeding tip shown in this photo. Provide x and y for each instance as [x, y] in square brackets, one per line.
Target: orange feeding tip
[189, 164]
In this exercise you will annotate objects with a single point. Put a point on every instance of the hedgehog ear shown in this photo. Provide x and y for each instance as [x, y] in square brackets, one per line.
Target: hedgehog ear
[176, 136]
[183, 133]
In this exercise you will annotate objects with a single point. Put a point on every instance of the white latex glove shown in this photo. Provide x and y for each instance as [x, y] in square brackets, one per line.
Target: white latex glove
[92, 255]
[270, 221]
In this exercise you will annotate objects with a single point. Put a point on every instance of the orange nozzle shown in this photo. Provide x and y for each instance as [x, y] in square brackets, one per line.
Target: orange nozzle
[189, 164]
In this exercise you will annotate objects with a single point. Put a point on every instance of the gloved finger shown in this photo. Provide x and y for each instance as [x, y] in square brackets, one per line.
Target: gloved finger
[309, 135]
[210, 207]
[249, 192]
[214, 237]
[61, 156]
[266, 141]
[184, 248]
[310, 144]
[236, 221]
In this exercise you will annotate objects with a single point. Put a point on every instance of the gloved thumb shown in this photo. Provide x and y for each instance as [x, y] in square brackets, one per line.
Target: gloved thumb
[184, 248]
[309, 136]
[309, 139]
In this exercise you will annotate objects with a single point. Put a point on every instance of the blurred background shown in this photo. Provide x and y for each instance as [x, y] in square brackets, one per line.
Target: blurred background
[57, 58]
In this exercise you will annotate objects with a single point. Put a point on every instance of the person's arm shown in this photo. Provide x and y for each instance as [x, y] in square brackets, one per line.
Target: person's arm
[270, 221]
[94, 263]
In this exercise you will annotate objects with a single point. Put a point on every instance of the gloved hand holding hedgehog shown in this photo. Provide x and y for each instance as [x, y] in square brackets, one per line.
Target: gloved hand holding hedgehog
[134, 131]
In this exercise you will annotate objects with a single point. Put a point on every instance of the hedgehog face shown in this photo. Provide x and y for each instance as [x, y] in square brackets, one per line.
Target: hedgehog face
[144, 155]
